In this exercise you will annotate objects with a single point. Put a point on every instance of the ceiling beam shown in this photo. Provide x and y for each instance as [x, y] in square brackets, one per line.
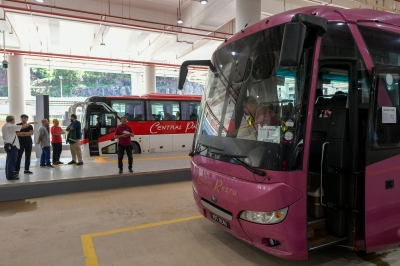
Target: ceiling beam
[163, 47]
[135, 40]
[54, 28]
[106, 19]
[97, 59]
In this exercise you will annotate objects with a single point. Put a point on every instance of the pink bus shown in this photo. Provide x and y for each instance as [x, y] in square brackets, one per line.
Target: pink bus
[298, 133]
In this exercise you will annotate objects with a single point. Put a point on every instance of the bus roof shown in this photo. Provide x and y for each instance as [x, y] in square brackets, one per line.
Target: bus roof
[152, 96]
[352, 16]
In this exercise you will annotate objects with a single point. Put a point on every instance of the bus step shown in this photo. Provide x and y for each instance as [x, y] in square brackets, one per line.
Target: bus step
[93, 144]
[314, 226]
[317, 243]
[312, 221]
[94, 153]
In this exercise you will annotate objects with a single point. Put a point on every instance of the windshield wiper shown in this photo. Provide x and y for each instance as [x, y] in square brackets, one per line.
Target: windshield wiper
[197, 151]
[236, 158]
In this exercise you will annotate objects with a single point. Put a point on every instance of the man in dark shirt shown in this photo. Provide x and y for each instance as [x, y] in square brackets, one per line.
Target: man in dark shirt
[25, 142]
[98, 127]
[124, 133]
[75, 147]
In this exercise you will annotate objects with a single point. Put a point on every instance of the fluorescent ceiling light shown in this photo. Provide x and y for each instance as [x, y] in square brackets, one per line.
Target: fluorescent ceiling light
[40, 1]
[203, 2]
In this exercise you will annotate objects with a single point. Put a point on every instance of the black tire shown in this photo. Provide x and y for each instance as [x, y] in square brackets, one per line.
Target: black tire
[135, 148]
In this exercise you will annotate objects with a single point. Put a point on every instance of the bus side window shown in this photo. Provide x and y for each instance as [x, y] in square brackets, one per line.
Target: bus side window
[169, 109]
[387, 133]
[189, 110]
[154, 110]
[132, 110]
[387, 115]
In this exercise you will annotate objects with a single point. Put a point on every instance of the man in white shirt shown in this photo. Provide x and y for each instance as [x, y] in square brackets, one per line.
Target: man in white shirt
[9, 135]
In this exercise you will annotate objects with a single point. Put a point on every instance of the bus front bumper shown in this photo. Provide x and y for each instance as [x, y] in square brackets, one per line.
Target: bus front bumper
[222, 199]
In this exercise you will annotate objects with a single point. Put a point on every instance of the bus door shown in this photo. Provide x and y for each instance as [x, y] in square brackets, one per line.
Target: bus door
[382, 178]
[106, 141]
[333, 155]
[101, 126]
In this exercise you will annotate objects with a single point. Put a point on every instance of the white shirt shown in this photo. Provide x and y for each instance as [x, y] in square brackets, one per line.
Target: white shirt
[9, 133]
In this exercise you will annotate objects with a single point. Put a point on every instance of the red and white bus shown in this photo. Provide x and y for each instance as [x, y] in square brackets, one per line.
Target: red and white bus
[298, 141]
[161, 122]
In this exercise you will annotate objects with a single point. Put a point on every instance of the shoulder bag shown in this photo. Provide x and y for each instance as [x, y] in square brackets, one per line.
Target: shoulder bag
[8, 146]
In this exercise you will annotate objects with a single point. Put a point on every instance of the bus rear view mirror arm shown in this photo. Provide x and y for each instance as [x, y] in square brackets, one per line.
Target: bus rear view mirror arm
[184, 69]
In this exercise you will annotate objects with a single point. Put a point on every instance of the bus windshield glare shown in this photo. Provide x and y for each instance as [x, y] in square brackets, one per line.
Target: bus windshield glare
[251, 107]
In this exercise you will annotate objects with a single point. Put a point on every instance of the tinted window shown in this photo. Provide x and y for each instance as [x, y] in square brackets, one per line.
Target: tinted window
[383, 46]
[339, 42]
[162, 110]
[132, 110]
[387, 120]
[189, 111]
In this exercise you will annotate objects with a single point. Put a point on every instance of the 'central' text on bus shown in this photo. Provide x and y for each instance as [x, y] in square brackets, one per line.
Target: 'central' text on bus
[156, 127]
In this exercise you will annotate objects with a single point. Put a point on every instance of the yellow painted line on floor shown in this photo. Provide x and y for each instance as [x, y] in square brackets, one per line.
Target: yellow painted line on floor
[87, 240]
[100, 160]
[94, 158]
[88, 251]
[162, 158]
[143, 226]
[150, 159]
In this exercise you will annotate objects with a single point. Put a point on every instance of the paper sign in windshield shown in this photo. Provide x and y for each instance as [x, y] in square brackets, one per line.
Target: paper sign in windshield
[269, 134]
[388, 115]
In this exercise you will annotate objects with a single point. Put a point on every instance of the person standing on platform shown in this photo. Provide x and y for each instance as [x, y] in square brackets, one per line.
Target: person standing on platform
[25, 143]
[44, 141]
[11, 144]
[56, 141]
[124, 133]
[98, 127]
[74, 140]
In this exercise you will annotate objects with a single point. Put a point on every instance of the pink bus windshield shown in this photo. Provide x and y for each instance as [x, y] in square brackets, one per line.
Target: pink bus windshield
[252, 108]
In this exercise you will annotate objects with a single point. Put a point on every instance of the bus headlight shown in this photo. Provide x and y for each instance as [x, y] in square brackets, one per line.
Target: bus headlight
[195, 189]
[265, 217]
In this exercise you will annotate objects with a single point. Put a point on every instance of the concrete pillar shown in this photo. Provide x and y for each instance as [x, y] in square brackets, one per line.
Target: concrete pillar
[16, 75]
[149, 79]
[247, 12]
[137, 84]
[27, 83]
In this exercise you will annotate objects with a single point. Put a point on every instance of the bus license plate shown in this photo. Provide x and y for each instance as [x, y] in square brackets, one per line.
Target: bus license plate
[220, 220]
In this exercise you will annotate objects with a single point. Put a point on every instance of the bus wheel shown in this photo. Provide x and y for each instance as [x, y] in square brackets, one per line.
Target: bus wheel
[135, 148]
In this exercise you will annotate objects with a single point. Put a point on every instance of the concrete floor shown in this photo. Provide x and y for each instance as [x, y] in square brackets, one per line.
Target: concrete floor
[116, 227]
[105, 166]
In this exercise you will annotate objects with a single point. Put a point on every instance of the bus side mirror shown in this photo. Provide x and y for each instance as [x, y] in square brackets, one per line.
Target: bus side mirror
[184, 69]
[292, 44]
[294, 36]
